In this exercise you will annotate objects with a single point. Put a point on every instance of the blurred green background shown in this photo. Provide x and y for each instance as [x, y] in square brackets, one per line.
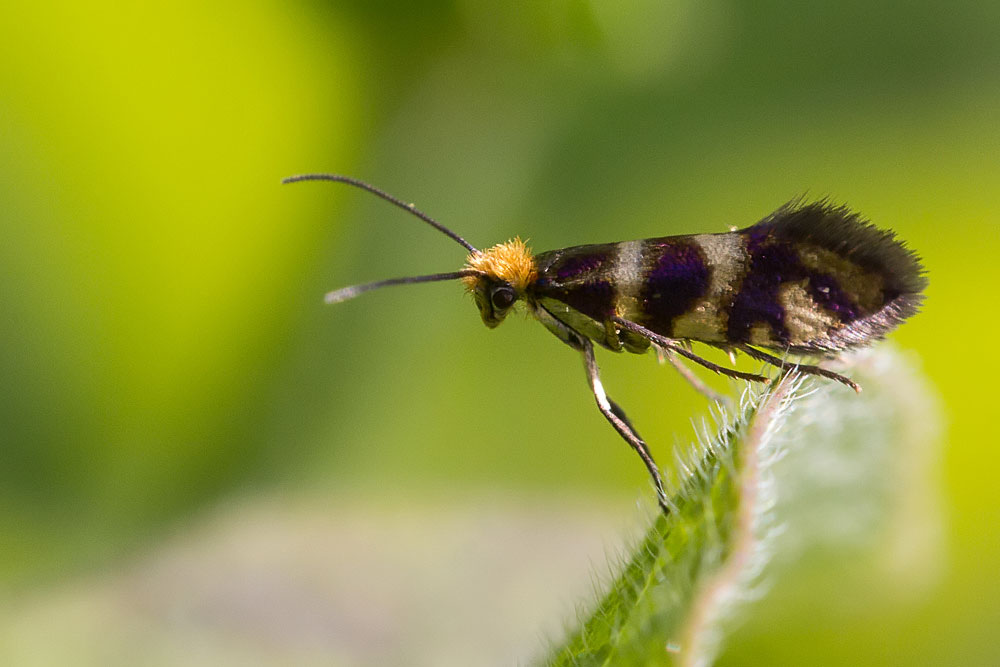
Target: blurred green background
[164, 348]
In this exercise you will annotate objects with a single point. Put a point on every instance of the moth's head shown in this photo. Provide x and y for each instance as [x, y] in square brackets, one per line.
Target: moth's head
[503, 274]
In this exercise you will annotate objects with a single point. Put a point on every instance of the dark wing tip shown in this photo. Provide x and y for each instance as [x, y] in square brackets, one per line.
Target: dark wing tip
[851, 236]
[847, 233]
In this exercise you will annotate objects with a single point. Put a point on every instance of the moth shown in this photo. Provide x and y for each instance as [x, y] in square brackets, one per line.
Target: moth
[811, 279]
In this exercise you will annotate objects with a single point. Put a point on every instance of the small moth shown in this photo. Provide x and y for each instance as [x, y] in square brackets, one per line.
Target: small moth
[810, 280]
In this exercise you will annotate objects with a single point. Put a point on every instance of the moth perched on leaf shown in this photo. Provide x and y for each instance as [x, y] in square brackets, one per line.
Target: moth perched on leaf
[809, 279]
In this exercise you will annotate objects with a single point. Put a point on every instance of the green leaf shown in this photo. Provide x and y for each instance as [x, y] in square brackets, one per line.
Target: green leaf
[805, 475]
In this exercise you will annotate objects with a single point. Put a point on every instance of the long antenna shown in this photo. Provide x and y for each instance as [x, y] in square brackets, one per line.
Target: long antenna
[345, 293]
[337, 178]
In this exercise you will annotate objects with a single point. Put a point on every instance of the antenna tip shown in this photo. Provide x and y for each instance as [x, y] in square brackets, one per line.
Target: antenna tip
[336, 296]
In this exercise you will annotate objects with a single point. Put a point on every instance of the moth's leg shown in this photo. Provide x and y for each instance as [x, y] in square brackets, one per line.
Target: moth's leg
[805, 368]
[722, 370]
[611, 337]
[672, 345]
[611, 410]
[614, 414]
[692, 379]
[558, 328]
[619, 338]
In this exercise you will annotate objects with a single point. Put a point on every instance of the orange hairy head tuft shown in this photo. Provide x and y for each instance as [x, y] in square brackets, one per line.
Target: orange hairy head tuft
[511, 262]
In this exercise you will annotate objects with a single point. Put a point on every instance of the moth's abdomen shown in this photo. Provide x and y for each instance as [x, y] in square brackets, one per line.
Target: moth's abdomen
[814, 278]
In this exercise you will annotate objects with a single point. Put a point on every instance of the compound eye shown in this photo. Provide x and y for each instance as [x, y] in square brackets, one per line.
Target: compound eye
[503, 297]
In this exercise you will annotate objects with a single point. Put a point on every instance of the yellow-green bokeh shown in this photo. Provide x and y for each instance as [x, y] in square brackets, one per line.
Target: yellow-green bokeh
[163, 343]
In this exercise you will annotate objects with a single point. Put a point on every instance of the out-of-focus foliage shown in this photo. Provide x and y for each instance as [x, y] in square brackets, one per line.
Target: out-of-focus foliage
[163, 343]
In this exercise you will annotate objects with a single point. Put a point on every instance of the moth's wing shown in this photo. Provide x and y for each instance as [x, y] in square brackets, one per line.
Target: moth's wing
[820, 278]
[581, 277]
[812, 279]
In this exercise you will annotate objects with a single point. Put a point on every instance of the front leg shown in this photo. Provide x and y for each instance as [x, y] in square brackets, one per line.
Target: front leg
[611, 410]
[614, 414]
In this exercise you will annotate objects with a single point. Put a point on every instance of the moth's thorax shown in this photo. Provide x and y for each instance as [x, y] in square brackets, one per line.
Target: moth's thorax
[510, 262]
